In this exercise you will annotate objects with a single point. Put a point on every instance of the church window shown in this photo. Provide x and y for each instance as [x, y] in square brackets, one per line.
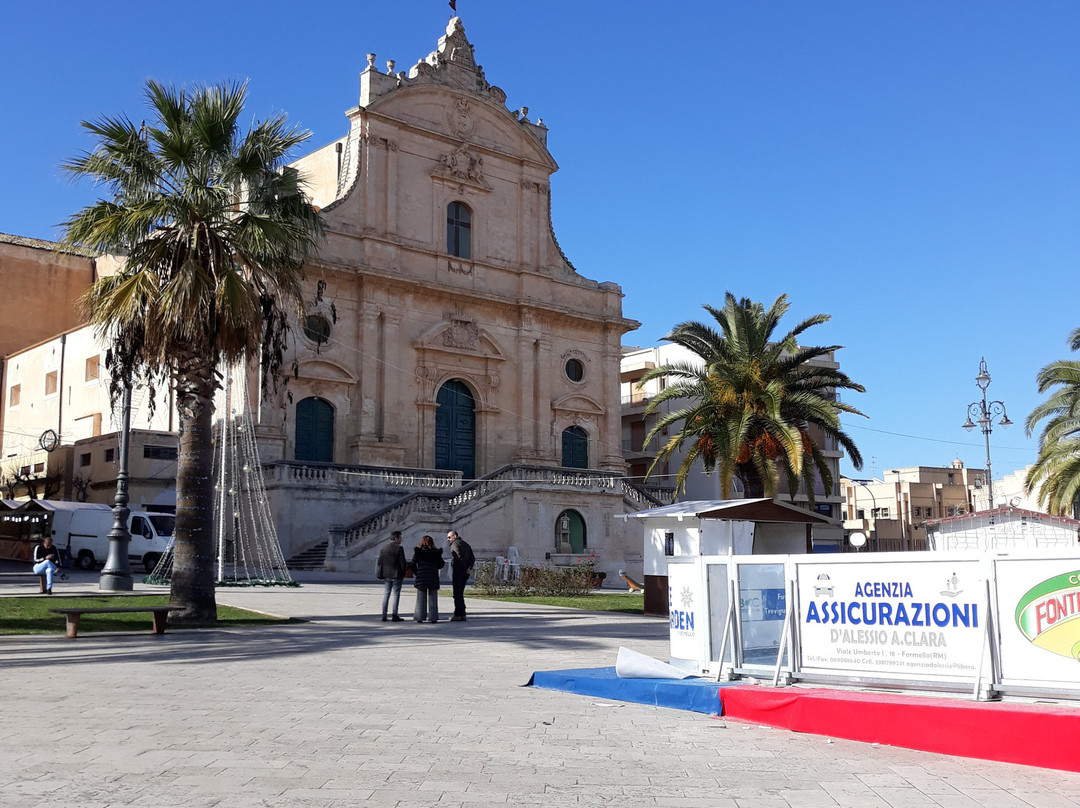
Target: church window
[575, 371]
[317, 329]
[458, 230]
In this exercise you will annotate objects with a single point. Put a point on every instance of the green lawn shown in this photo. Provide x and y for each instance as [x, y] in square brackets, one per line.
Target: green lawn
[32, 616]
[595, 602]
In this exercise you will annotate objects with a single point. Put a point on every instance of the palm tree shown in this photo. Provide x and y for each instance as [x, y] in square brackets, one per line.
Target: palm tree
[753, 405]
[1056, 472]
[215, 228]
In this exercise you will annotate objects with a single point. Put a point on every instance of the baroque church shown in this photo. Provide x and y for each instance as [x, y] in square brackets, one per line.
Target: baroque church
[454, 369]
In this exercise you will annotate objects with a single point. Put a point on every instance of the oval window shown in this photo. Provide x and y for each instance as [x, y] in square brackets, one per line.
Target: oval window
[575, 371]
[317, 329]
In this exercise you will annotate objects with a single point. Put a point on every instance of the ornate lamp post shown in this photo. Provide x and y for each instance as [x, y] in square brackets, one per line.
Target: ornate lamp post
[984, 412]
[116, 576]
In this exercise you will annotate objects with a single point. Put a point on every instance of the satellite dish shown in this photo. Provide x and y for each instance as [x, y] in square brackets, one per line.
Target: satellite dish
[48, 440]
[857, 539]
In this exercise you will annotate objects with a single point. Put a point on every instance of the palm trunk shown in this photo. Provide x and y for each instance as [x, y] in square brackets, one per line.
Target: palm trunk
[753, 487]
[193, 553]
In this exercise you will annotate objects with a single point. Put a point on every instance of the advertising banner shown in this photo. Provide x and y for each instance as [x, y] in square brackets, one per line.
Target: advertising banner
[687, 607]
[893, 619]
[1039, 608]
[762, 607]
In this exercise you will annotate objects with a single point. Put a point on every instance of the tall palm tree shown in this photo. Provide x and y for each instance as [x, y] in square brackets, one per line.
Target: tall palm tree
[1056, 472]
[754, 406]
[215, 228]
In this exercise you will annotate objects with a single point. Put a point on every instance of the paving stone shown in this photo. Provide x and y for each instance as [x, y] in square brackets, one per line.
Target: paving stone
[343, 710]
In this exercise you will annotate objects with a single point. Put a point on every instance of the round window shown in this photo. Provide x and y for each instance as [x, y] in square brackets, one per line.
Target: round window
[317, 329]
[575, 371]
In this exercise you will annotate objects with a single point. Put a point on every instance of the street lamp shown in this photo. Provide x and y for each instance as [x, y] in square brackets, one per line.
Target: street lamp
[116, 575]
[984, 412]
[874, 511]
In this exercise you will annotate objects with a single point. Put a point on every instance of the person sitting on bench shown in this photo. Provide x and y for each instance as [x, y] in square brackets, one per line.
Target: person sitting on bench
[47, 562]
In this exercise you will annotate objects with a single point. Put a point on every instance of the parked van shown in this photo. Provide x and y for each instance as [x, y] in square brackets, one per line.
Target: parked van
[82, 530]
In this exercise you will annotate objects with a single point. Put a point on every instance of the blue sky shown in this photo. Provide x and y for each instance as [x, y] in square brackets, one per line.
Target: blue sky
[910, 168]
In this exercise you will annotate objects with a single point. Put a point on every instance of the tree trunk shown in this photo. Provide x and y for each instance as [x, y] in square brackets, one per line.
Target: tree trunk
[753, 487]
[193, 551]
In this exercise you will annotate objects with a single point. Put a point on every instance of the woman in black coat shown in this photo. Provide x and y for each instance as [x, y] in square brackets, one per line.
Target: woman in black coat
[427, 560]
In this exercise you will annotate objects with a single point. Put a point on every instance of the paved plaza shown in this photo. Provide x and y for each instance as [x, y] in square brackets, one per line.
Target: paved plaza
[345, 710]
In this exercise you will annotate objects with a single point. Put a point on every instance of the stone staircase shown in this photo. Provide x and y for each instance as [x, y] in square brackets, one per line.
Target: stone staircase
[446, 508]
[313, 558]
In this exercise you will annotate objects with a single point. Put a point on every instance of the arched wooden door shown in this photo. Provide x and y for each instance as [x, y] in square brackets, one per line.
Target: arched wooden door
[570, 529]
[315, 430]
[455, 429]
[575, 448]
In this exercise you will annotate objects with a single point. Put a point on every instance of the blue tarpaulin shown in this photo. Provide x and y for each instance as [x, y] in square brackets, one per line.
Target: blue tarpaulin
[696, 695]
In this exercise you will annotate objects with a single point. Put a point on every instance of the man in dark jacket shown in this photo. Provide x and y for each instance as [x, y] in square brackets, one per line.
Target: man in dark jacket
[391, 569]
[47, 562]
[461, 567]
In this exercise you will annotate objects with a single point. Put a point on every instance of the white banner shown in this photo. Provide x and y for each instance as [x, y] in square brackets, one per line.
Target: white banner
[917, 619]
[1039, 608]
[687, 613]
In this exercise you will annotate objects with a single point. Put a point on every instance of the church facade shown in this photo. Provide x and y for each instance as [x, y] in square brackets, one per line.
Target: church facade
[453, 367]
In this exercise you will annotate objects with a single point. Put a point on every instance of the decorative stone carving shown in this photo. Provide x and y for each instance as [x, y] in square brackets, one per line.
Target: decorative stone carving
[422, 68]
[461, 334]
[574, 353]
[459, 267]
[535, 187]
[463, 165]
[381, 143]
[459, 119]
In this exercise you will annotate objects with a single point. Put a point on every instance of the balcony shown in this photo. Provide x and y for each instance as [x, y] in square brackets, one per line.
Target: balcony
[633, 450]
[635, 402]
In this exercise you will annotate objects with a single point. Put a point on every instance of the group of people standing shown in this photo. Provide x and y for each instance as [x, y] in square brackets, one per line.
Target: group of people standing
[427, 563]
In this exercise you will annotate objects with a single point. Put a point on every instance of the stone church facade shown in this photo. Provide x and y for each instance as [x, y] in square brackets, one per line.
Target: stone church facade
[453, 368]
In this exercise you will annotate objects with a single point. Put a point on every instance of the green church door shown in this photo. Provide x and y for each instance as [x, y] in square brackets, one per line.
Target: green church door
[570, 528]
[455, 429]
[315, 430]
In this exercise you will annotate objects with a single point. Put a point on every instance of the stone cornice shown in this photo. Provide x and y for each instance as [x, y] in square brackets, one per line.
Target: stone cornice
[452, 295]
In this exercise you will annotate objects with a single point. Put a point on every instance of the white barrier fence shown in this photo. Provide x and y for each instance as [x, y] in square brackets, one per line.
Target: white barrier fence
[953, 622]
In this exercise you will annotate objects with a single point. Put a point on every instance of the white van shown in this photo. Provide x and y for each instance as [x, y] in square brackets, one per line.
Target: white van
[82, 529]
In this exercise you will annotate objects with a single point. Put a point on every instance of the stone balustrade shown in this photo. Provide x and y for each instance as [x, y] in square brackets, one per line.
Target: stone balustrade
[350, 540]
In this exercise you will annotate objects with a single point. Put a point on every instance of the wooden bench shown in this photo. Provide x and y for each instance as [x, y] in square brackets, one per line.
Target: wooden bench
[73, 615]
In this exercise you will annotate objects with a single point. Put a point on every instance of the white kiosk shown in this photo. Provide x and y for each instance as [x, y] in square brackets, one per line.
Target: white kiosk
[676, 586]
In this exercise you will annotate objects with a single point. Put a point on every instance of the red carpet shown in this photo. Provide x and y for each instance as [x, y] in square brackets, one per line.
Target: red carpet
[1034, 735]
